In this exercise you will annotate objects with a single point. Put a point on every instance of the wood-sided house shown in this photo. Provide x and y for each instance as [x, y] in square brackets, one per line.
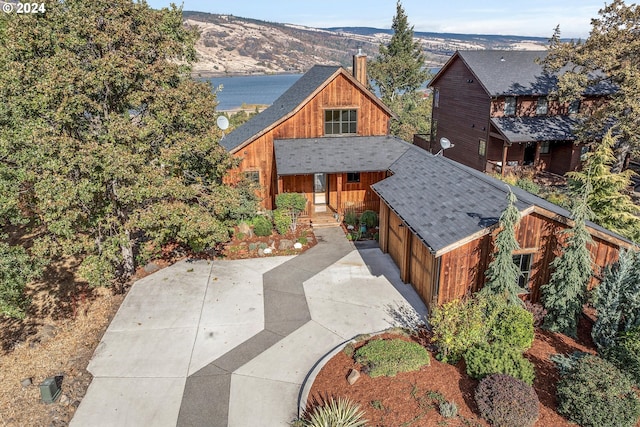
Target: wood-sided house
[439, 219]
[497, 108]
[327, 137]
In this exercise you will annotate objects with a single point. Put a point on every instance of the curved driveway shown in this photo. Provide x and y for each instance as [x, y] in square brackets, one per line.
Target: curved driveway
[229, 343]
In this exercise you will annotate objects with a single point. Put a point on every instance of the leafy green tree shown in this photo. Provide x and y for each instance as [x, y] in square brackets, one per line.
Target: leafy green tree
[612, 207]
[109, 140]
[617, 300]
[398, 72]
[565, 294]
[502, 274]
[607, 58]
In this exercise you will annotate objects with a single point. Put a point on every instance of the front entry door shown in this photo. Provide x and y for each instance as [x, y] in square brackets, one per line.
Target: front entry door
[320, 192]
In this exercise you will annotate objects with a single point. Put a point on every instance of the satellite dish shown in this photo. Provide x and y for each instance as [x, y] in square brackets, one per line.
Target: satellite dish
[445, 143]
[223, 123]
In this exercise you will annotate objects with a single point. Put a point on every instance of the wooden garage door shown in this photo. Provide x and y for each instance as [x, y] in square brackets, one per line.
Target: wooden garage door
[395, 238]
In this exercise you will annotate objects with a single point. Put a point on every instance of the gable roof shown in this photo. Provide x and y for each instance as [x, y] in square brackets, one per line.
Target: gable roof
[538, 128]
[337, 154]
[288, 103]
[513, 72]
[446, 203]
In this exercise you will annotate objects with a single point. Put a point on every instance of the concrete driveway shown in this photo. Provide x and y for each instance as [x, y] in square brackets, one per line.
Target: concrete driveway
[230, 343]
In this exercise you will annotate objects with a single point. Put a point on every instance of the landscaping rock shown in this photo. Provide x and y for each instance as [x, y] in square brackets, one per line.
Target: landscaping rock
[297, 245]
[26, 382]
[285, 244]
[245, 229]
[354, 375]
[151, 267]
[64, 400]
[267, 251]
[260, 252]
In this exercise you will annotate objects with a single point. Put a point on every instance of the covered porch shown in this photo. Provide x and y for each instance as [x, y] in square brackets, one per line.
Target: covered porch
[535, 143]
[335, 174]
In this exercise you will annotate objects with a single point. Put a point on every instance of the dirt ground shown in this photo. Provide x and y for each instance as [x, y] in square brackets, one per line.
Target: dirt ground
[408, 399]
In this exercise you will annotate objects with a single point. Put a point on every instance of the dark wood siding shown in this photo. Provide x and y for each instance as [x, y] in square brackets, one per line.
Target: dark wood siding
[462, 115]
[355, 194]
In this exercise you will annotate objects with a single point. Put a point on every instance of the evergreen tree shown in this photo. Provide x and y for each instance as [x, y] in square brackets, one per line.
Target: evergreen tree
[398, 72]
[610, 296]
[608, 58]
[108, 139]
[611, 206]
[503, 274]
[564, 295]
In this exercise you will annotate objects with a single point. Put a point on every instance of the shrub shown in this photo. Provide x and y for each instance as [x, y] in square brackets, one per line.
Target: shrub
[262, 226]
[282, 221]
[513, 327]
[350, 217]
[537, 311]
[528, 185]
[498, 358]
[457, 326]
[506, 401]
[16, 270]
[369, 218]
[596, 393]
[626, 354]
[335, 413]
[448, 409]
[302, 240]
[292, 205]
[388, 357]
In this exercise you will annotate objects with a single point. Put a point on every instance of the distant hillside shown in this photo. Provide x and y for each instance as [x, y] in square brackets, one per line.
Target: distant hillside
[233, 45]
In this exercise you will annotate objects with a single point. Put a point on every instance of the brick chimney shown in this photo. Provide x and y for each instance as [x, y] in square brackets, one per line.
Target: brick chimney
[360, 67]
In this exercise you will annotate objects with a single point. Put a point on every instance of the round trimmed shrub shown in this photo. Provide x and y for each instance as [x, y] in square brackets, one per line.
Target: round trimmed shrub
[369, 218]
[262, 226]
[514, 327]
[498, 358]
[388, 357]
[505, 401]
[597, 394]
[282, 220]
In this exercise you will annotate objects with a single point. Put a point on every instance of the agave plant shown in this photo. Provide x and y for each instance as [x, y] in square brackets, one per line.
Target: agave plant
[336, 413]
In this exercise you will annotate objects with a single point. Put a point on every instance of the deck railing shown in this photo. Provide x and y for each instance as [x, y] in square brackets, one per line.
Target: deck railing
[359, 207]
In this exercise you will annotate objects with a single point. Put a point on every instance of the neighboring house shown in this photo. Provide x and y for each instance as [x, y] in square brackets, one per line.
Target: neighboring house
[496, 109]
[326, 137]
[438, 220]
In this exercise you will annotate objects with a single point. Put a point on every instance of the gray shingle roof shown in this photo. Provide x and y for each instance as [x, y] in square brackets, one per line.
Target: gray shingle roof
[515, 72]
[281, 107]
[444, 202]
[337, 154]
[539, 128]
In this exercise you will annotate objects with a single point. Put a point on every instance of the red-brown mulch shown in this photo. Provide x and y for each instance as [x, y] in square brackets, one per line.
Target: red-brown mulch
[405, 400]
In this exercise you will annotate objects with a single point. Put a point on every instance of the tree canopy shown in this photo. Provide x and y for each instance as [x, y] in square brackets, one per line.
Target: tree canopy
[106, 142]
[608, 58]
[398, 72]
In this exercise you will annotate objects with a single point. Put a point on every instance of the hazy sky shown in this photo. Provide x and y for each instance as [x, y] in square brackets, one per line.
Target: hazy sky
[512, 17]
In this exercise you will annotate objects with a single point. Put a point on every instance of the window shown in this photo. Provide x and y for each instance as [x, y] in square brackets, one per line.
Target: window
[523, 262]
[510, 106]
[482, 147]
[353, 177]
[545, 147]
[252, 176]
[584, 150]
[574, 107]
[542, 106]
[338, 122]
[436, 97]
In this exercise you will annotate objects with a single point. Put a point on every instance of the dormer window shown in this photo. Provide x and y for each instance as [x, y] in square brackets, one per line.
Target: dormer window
[340, 122]
[542, 106]
[510, 106]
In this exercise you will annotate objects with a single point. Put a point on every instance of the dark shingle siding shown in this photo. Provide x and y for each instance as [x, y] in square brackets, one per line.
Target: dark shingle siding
[337, 154]
[281, 107]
